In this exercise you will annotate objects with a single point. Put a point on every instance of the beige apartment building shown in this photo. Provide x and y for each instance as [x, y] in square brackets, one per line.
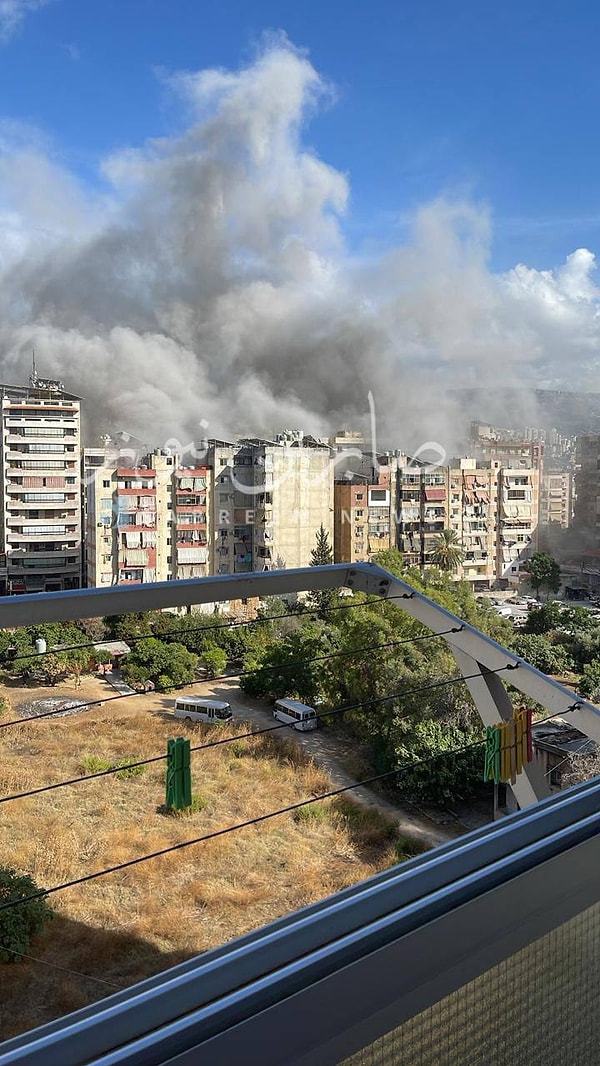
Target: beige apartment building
[556, 499]
[494, 513]
[269, 500]
[40, 531]
[146, 519]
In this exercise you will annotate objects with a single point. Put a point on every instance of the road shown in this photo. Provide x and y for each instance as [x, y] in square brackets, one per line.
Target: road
[325, 751]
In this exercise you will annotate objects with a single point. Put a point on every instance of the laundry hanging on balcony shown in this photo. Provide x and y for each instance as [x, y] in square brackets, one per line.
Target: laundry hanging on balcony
[508, 747]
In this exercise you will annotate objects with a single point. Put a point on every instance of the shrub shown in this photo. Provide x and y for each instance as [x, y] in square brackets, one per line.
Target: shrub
[407, 848]
[19, 924]
[367, 826]
[94, 764]
[312, 812]
[215, 661]
[199, 802]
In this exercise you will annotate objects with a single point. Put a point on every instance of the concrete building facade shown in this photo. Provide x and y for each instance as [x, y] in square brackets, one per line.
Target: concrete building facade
[145, 520]
[269, 500]
[586, 507]
[40, 530]
[556, 499]
[364, 522]
[421, 509]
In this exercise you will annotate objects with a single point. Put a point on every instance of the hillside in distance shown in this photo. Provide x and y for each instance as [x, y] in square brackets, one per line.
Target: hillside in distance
[513, 408]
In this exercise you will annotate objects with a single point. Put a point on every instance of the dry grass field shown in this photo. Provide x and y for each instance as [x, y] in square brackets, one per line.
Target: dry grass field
[125, 926]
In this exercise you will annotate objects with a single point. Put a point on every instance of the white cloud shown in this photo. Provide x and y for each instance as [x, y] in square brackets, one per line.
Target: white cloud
[12, 13]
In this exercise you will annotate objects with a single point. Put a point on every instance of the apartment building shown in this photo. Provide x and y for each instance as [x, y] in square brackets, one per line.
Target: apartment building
[512, 454]
[421, 508]
[556, 499]
[363, 518]
[494, 513]
[474, 519]
[146, 519]
[269, 500]
[40, 530]
[586, 507]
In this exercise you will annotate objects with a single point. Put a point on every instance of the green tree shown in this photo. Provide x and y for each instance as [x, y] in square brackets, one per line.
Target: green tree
[288, 667]
[547, 657]
[589, 684]
[18, 925]
[543, 619]
[544, 572]
[167, 665]
[447, 553]
[321, 555]
[214, 661]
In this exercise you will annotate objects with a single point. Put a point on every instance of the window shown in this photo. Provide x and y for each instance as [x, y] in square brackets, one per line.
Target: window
[106, 505]
[222, 462]
[106, 484]
[379, 495]
[42, 431]
[41, 497]
[34, 530]
[360, 495]
[47, 449]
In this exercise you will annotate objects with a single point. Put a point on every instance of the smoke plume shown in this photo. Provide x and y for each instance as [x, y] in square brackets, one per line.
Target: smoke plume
[208, 286]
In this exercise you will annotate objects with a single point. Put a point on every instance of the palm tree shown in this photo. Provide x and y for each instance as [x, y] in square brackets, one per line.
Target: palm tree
[447, 553]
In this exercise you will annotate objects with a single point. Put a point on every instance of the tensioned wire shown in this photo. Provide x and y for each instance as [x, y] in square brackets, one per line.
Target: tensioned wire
[253, 733]
[259, 819]
[207, 629]
[242, 673]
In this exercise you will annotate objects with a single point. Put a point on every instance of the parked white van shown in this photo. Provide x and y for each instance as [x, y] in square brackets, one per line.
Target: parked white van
[295, 713]
[196, 709]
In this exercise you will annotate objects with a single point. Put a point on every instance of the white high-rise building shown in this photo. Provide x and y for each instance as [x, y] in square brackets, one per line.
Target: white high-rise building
[40, 530]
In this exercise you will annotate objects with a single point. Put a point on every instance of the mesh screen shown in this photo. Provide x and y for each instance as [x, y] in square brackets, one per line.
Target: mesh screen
[540, 1007]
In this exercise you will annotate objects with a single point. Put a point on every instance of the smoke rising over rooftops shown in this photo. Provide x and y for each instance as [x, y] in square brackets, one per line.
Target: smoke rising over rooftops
[211, 282]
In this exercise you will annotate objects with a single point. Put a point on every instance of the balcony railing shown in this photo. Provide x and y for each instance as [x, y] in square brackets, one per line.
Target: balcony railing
[485, 950]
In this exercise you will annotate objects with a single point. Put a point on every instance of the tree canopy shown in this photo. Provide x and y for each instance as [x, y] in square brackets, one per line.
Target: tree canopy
[544, 572]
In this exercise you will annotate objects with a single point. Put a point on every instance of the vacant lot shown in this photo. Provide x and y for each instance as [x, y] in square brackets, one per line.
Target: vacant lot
[128, 925]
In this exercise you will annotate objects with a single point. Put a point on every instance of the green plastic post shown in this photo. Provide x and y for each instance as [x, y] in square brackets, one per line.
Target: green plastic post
[179, 777]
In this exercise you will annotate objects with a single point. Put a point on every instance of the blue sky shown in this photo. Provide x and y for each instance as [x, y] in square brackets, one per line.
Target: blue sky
[254, 215]
[496, 102]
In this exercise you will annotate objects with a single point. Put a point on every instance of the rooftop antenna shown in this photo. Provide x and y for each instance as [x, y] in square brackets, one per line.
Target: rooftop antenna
[33, 380]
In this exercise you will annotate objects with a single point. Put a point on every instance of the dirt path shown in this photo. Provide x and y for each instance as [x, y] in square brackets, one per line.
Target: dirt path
[325, 750]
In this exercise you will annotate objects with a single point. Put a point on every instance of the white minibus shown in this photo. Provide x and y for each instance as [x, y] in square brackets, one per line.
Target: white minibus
[296, 714]
[195, 709]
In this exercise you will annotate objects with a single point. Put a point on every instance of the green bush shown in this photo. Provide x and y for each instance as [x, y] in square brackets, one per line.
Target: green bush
[199, 802]
[94, 764]
[19, 924]
[312, 812]
[407, 848]
[214, 660]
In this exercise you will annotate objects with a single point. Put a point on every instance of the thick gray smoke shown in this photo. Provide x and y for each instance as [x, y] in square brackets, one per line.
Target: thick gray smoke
[210, 288]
